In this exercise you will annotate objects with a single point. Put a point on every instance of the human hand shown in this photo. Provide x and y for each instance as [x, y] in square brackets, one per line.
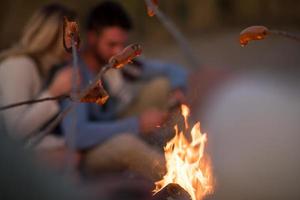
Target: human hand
[178, 95]
[62, 82]
[151, 119]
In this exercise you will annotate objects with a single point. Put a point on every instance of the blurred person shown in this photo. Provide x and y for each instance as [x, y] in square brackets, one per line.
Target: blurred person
[24, 70]
[140, 95]
[253, 126]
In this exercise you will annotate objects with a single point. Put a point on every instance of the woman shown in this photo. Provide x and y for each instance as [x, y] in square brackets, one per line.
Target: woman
[25, 68]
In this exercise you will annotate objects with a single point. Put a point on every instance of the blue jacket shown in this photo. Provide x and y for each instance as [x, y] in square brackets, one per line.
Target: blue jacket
[95, 124]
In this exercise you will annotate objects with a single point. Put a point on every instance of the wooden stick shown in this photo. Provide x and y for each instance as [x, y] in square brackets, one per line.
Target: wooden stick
[21, 103]
[261, 32]
[172, 191]
[286, 34]
[177, 35]
[37, 139]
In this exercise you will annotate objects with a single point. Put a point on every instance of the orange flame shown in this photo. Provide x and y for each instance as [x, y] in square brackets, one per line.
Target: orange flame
[185, 113]
[186, 162]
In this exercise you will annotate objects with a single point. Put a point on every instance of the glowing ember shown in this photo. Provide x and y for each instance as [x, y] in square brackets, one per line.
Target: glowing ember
[253, 33]
[186, 162]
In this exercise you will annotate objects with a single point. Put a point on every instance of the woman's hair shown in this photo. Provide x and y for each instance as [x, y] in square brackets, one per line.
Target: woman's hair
[42, 35]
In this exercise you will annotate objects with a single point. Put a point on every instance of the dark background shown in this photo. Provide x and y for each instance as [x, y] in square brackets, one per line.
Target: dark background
[192, 16]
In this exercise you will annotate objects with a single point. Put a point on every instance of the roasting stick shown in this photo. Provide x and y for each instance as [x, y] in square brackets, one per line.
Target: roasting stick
[75, 81]
[286, 34]
[61, 97]
[71, 42]
[69, 167]
[178, 36]
[38, 138]
[261, 32]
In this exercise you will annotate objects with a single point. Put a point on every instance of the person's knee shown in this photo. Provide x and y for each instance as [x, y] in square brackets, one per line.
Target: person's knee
[155, 93]
[127, 142]
[159, 85]
[112, 154]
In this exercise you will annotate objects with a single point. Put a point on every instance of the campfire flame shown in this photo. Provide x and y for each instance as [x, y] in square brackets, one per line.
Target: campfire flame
[187, 163]
[185, 113]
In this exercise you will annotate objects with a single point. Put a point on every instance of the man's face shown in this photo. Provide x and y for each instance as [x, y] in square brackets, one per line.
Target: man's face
[109, 42]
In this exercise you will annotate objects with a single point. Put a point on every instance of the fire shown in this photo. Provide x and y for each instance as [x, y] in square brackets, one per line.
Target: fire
[187, 163]
[185, 113]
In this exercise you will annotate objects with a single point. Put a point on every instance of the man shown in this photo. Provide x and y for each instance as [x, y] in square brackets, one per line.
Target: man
[109, 134]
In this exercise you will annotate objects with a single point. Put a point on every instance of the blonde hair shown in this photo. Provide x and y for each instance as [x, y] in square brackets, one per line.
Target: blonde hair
[42, 36]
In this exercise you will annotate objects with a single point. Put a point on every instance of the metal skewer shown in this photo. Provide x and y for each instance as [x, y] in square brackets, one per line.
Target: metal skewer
[178, 36]
[286, 34]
